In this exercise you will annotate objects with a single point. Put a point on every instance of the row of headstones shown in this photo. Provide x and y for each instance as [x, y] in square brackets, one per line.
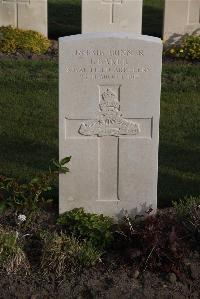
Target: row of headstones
[181, 16]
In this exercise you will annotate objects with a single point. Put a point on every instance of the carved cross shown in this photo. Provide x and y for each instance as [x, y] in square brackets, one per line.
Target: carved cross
[112, 4]
[107, 131]
[17, 3]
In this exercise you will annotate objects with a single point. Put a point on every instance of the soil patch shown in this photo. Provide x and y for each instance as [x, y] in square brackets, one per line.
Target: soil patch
[118, 274]
[110, 280]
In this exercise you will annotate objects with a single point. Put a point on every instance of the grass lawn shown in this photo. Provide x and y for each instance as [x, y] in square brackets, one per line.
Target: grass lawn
[29, 117]
[29, 124]
[179, 156]
[65, 17]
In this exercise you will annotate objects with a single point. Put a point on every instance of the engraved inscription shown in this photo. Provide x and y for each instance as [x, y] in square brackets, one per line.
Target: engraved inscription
[110, 121]
[112, 4]
[108, 64]
[109, 52]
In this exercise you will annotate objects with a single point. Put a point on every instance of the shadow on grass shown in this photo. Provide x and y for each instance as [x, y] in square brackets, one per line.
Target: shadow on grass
[178, 167]
[178, 173]
[152, 22]
[64, 18]
[25, 154]
[28, 159]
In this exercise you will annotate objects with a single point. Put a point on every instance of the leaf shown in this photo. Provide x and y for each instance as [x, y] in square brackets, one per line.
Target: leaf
[3, 207]
[65, 160]
[8, 180]
[34, 180]
[24, 186]
[49, 200]
[55, 163]
[64, 169]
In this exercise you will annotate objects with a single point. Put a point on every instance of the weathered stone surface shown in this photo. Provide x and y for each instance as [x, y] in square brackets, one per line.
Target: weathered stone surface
[181, 17]
[24, 14]
[112, 16]
[109, 121]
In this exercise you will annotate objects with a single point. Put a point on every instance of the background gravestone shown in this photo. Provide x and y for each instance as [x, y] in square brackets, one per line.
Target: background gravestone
[109, 121]
[111, 16]
[181, 17]
[24, 14]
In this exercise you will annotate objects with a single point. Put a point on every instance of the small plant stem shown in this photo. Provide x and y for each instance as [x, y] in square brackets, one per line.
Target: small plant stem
[152, 250]
[132, 231]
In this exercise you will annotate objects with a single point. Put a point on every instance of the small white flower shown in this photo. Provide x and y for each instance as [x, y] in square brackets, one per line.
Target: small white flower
[21, 218]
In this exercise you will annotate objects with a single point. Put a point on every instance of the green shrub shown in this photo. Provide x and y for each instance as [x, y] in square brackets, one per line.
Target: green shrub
[27, 197]
[12, 257]
[187, 48]
[188, 211]
[96, 229]
[184, 206]
[14, 40]
[62, 253]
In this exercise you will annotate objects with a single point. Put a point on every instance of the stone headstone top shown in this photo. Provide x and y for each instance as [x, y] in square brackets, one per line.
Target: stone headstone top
[181, 17]
[111, 16]
[109, 121]
[24, 14]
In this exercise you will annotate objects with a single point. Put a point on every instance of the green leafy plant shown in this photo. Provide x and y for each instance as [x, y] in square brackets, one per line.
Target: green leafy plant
[14, 40]
[183, 206]
[96, 229]
[12, 256]
[188, 211]
[187, 48]
[27, 197]
[62, 253]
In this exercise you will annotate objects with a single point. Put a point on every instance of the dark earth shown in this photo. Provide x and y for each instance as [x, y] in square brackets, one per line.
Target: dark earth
[118, 274]
[109, 280]
[106, 281]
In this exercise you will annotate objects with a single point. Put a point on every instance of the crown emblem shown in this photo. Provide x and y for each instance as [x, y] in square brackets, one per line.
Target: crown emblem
[109, 99]
[110, 121]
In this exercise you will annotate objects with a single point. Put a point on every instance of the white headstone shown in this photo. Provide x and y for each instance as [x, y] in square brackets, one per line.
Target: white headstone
[181, 17]
[109, 121]
[24, 14]
[112, 16]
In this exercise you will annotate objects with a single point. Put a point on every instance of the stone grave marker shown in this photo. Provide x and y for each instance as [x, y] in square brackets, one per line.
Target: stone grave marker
[181, 17]
[24, 14]
[109, 121]
[112, 16]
